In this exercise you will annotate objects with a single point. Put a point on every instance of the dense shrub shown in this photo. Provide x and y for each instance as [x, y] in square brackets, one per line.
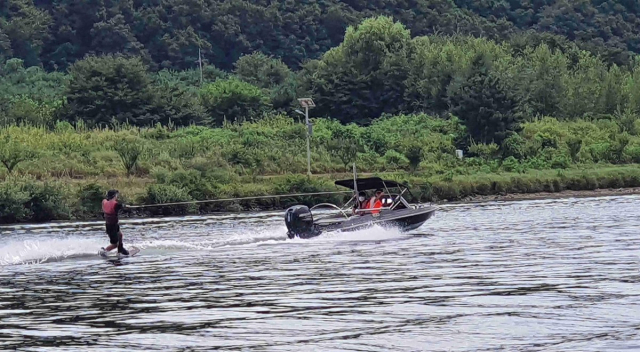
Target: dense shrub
[27, 200]
[162, 194]
[12, 201]
[90, 198]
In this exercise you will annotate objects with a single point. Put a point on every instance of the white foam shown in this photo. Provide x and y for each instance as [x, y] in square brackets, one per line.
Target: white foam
[374, 233]
[37, 251]
[34, 250]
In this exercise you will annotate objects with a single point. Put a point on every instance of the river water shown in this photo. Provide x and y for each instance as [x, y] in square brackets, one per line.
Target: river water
[549, 275]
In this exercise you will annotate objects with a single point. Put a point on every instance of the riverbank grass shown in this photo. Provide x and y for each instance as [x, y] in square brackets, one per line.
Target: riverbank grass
[27, 199]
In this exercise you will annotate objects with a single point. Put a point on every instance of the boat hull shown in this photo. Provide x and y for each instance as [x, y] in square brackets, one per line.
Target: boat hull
[404, 220]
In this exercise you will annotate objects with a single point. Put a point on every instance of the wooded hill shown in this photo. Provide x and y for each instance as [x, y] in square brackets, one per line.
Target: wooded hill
[168, 33]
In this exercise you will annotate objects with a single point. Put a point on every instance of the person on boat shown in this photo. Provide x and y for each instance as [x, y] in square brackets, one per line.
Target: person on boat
[375, 202]
[361, 203]
[110, 208]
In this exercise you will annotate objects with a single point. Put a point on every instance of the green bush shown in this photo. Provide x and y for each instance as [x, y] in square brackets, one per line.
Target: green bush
[510, 164]
[13, 152]
[12, 203]
[162, 194]
[46, 202]
[130, 150]
[27, 200]
[633, 153]
[485, 151]
[394, 160]
[560, 161]
[90, 198]
[514, 146]
[233, 100]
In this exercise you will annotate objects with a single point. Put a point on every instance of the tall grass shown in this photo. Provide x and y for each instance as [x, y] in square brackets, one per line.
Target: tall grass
[29, 200]
[75, 165]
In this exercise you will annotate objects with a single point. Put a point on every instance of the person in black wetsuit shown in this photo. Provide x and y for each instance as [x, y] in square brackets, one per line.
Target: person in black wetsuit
[110, 208]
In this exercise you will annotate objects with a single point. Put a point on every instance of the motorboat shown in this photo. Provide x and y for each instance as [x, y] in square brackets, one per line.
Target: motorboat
[395, 212]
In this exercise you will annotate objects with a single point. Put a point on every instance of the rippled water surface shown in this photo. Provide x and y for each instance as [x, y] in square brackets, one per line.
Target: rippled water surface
[555, 275]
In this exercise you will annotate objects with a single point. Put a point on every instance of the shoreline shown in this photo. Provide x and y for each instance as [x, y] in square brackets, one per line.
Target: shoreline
[604, 192]
[59, 199]
[509, 197]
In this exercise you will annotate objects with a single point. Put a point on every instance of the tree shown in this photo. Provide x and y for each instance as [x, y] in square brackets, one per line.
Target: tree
[26, 27]
[261, 70]
[363, 77]
[172, 31]
[5, 44]
[414, 152]
[488, 111]
[584, 87]
[175, 104]
[109, 88]
[115, 36]
[13, 152]
[539, 79]
[23, 109]
[346, 149]
[271, 74]
[233, 100]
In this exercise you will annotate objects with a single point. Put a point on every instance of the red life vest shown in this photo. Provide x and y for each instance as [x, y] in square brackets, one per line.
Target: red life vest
[110, 211]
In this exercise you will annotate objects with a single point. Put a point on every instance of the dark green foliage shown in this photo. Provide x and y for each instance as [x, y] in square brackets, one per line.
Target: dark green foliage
[607, 28]
[270, 74]
[12, 200]
[90, 198]
[233, 100]
[177, 105]
[169, 33]
[617, 148]
[414, 152]
[129, 151]
[575, 145]
[46, 202]
[261, 70]
[488, 110]
[25, 200]
[107, 89]
[23, 29]
[363, 77]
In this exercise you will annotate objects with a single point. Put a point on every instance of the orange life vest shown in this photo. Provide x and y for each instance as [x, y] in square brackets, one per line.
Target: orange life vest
[374, 204]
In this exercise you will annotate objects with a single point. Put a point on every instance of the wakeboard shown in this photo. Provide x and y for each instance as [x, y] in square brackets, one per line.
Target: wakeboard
[132, 251]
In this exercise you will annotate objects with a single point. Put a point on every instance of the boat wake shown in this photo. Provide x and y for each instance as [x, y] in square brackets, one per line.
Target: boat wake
[15, 251]
[375, 233]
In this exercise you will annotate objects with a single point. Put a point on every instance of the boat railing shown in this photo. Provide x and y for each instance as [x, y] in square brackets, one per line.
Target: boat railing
[330, 206]
[371, 210]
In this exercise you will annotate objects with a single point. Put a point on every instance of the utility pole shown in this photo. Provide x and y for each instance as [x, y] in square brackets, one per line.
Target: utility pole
[200, 62]
[307, 103]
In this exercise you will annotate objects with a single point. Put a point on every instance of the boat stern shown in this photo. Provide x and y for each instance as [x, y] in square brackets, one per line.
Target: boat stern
[299, 221]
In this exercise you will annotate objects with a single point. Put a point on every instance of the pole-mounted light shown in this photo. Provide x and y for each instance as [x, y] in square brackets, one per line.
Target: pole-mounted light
[307, 103]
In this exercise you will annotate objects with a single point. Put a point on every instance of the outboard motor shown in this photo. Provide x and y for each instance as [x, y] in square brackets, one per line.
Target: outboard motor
[300, 222]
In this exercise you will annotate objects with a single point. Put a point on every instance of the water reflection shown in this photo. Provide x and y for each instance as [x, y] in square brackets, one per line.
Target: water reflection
[541, 275]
